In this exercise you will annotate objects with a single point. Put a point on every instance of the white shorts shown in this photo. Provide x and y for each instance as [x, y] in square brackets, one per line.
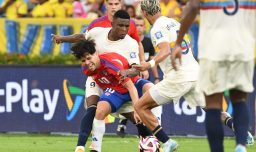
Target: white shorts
[125, 108]
[218, 76]
[167, 91]
[92, 88]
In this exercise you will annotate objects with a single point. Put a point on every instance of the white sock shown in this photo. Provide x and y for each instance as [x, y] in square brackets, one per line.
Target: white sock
[98, 131]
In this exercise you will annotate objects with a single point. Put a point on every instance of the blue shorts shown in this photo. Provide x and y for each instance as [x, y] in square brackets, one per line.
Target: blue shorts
[116, 100]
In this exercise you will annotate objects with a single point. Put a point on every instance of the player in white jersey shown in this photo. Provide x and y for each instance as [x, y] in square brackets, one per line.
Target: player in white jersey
[106, 39]
[175, 84]
[226, 51]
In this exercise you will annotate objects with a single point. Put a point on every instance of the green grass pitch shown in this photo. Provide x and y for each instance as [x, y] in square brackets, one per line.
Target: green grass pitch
[58, 143]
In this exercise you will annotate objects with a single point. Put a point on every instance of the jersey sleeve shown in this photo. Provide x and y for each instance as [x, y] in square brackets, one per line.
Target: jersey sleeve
[133, 32]
[133, 54]
[116, 65]
[166, 33]
[160, 35]
[92, 34]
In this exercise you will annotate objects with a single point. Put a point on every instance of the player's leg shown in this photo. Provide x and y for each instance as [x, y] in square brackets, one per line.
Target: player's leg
[112, 102]
[143, 131]
[120, 131]
[213, 76]
[241, 115]
[143, 108]
[241, 85]
[103, 109]
[213, 124]
[92, 96]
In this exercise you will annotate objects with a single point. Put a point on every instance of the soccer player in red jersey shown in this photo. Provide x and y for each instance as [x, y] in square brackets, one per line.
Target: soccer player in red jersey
[118, 91]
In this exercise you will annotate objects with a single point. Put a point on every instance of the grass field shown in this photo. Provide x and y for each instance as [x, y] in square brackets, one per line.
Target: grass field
[58, 143]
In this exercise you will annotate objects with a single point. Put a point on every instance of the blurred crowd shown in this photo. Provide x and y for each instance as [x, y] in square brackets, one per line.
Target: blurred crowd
[93, 9]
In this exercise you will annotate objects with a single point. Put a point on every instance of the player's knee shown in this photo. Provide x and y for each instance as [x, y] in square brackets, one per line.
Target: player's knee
[103, 109]
[91, 100]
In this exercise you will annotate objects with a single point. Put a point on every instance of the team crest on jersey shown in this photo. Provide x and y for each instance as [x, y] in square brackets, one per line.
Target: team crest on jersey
[159, 35]
[107, 93]
[132, 55]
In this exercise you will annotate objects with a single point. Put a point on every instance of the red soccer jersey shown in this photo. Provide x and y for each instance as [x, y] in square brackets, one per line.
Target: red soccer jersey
[106, 76]
[105, 22]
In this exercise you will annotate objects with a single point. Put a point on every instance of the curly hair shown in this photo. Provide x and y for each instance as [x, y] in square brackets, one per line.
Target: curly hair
[150, 6]
[81, 48]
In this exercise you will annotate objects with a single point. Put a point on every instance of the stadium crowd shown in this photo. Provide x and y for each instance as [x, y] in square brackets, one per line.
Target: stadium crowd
[93, 9]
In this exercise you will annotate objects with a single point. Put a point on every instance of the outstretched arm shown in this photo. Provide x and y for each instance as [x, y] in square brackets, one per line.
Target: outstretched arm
[69, 38]
[187, 20]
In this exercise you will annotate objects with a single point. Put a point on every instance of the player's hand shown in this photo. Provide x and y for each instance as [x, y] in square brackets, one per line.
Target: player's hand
[122, 74]
[142, 67]
[144, 74]
[176, 54]
[56, 38]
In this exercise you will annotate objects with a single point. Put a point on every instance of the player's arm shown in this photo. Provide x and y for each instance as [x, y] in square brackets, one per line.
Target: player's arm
[187, 20]
[155, 72]
[129, 85]
[132, 72]
[69, 38]
[163, 54]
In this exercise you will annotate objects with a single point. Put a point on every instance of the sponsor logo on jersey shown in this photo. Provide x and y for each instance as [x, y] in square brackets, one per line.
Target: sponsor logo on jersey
[132, 55]
[158, 35]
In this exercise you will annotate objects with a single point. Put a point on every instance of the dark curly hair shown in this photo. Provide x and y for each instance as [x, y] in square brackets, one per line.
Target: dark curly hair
[81, 48]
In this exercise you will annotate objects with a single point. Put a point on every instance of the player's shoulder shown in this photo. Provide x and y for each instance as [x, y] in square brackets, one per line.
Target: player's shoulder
[98, 31]
[165, 23]
[132, 23]
[128, 39]
[113, 60]
[98, 22]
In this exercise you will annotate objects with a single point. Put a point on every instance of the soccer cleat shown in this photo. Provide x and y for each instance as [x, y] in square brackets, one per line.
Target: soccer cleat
[121, 131]
[170, 146]
[93, 151]
[79, 149]
[250, 139]
[240, 148]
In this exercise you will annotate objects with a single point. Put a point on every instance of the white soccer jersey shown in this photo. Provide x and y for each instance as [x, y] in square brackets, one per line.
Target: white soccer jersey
[165, 30]
[126, 47]
[227, 30]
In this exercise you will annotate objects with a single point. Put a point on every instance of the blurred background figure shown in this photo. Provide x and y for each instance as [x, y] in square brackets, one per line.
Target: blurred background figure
[78, 9]
[131, 11]
[63, 9]
[12, 9]
[42, 9]
[171, 8]
[94, 9]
